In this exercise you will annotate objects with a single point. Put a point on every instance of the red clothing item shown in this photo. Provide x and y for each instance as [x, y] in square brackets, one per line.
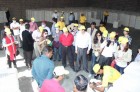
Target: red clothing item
[51, 86]
[66, 40]
[11, 48]
[33, 26]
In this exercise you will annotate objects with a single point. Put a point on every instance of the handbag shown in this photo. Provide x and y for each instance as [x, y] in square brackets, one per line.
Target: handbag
[17, 52]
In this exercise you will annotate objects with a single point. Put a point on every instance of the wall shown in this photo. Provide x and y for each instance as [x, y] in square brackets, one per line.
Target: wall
[17, 7]
[128, 5]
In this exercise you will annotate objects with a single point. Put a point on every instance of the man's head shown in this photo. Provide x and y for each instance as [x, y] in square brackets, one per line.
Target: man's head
[93, 25]
[126, 31]
[6, 25]
[48, 51]
[75, 26]
[97, 69]
[32, 19]
[43, 24]
[82, 29]
[14, 20]
[21, 21]
[80, 83]
[27, 26]
[59, 73]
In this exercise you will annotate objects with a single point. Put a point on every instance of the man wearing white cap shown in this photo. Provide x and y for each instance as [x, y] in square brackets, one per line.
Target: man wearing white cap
[82, 48]
[22, 27]
[15, 27]
[53, 85]
[55, 15]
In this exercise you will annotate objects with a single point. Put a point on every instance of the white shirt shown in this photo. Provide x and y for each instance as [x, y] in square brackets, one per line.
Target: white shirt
[55, 15]
[14, 25]
[74, 35]
[48, 29]
[83, 40]
[108, 51]
[36, 35]
[126, 57]
[22, 28]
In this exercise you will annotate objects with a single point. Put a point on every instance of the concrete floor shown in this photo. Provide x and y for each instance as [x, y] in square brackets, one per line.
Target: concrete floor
[25, 77]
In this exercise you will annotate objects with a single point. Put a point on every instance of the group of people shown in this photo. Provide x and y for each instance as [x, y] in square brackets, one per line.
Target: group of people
[109, 52]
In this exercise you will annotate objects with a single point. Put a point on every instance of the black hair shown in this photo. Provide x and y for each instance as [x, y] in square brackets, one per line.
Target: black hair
[95, 40]
[54, 19]
[6, 24]
[81, 83]
[27, 26]
[93, 23]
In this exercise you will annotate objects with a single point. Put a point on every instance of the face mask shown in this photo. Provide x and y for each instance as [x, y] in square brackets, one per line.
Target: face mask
[43, 25]
[14, 21]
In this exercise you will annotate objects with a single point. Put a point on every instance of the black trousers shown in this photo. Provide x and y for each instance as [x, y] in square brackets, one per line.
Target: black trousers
[10, 62]
[28, 58]
[67, 51]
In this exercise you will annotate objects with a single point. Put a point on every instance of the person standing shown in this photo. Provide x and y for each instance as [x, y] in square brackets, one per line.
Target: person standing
[9, 43]
[43, 67]
[106, 14]
[36, 36]
[82, 48]
[66, 39]
[22, 27]
[43, 24]
[71, 18]
[27, 46]
[126, 34]
[55, 15]
[33, 25]
[61, 23]
[83, 19]
[15, 27]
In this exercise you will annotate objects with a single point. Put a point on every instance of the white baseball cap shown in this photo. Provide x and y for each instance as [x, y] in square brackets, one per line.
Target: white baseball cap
[60, 70]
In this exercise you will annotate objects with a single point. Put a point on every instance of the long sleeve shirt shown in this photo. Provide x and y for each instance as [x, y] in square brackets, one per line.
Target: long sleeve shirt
[42, 69]
[83, 40]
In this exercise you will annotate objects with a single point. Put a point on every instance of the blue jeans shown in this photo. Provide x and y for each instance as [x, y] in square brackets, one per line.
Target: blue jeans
[57, 54]
[120, 69]
[93, 62]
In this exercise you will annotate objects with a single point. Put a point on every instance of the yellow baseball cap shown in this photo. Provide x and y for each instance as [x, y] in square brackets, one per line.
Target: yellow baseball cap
[102, 29]
[62, 17]
[126, 29]
[40, 29]
[96, 68]
[20, 19]
[82, 27]
[120, 39]
[65, 30]
[7, 30]
[32, 19]
[112, 35]
[105, 33]
[76, 25]
[124, 40]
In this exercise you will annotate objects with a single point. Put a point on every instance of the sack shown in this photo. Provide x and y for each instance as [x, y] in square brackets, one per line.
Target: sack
[113, 63]
[17, 52]
[56, 44]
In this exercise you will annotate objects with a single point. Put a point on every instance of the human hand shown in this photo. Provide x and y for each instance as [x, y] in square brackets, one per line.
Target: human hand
[92, 85]
[76, 52]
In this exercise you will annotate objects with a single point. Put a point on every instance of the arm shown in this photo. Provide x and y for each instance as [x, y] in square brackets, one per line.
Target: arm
[89, 42]
[4, 43]
[50, 73]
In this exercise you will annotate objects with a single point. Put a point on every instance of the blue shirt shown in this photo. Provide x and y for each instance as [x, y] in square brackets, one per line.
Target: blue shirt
[42, 69]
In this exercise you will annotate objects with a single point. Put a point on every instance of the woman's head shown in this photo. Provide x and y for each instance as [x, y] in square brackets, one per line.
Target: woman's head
[98, 36]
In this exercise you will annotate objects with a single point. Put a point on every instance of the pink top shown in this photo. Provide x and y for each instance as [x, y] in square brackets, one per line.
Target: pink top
[51, 86]
[33, 26]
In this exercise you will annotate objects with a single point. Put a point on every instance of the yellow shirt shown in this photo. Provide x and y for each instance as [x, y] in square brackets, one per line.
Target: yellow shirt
[110, 75]
[61, 24]
[106, 13]
[83, 19]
